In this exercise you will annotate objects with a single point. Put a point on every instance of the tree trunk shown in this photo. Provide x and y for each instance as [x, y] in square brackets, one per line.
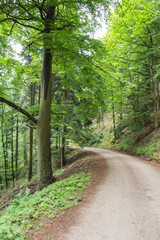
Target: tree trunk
[25, 147]
[31, 155]
[12, 151]
[16, 163]
[4, 149]
[63, 147]
[156, 122]
[43, 126]
[114, 120]
[31, 135]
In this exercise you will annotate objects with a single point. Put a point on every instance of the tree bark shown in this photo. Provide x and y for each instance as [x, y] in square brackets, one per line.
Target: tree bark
[156, 122]
[43, 126]
[4, 150]
[25, 147]
[44, 119]
[32, 91]
[16, 163]
[31, 155]
[64, 129]
[12, 151]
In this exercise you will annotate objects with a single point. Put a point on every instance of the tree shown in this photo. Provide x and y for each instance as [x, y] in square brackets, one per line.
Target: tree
[41, 22]
[132, 42]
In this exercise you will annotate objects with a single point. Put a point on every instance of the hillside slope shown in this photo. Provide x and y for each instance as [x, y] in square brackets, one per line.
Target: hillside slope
[144, 142]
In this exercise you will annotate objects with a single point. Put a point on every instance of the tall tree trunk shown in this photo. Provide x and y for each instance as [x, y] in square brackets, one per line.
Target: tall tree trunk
[44, 119]
[39, 94]
[31, 155]
[114, 120]
[4, 149]
[63, 146]
[114, 117]
[156, 122]
[158, 95]
[43, 126]
[25, 147]
[12, 151]
[16, 162]
[32, 91]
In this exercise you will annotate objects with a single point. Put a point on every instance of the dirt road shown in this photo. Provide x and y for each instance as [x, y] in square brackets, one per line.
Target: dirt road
[126, 205]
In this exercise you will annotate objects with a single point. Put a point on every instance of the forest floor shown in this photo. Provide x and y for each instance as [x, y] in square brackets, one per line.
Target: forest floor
[79, 161]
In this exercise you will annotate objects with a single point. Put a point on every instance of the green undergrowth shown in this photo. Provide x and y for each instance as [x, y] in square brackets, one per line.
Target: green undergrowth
[148, 146]
[26, 210]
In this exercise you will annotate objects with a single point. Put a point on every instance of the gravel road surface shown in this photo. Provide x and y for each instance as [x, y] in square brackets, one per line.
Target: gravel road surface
[126, 205]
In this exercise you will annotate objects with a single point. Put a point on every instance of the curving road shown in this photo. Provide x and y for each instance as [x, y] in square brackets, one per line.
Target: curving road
[126, 205]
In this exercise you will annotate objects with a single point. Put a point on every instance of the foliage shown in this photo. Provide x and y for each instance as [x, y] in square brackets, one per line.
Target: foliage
[26, 209]
[147, 148]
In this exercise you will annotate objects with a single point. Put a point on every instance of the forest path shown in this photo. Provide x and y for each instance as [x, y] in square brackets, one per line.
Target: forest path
[126, 205]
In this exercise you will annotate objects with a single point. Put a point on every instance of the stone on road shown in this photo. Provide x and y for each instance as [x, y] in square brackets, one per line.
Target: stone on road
[126, 205]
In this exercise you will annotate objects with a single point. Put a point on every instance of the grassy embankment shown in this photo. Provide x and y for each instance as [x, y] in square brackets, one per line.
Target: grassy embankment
[144, 142]
[27, 210]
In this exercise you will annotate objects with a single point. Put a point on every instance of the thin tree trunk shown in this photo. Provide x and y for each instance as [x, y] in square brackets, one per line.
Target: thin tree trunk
[12, 151]
[39, 94]
[25, 147]
[114, 119]
[158, 95]
[31, 155]
[4, 149]
[64, 129]
[31, 135]
[16, 159]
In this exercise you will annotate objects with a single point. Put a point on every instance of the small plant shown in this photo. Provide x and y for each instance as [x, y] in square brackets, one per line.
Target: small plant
[58, 172]
[24, 211]
[147, 149]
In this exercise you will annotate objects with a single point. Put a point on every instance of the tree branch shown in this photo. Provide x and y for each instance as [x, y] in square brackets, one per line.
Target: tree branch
[105, 72]
[19, 3]
[19, 109]
[24, 25]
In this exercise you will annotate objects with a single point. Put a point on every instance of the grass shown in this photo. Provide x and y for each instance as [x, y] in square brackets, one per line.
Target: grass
[147, 149]
[26, 209]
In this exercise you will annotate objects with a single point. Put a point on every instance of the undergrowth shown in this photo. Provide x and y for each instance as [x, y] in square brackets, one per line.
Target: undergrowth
[26, 209]
[147, 149]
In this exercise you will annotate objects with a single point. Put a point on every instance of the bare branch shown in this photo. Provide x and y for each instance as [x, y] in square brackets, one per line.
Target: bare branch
[19, 3]
[22, 24]
[19, 109]
[11, 29]
[105, 72]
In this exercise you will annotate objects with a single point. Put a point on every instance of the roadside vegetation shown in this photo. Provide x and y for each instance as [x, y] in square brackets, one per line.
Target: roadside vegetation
[144, 142]
[27, 210]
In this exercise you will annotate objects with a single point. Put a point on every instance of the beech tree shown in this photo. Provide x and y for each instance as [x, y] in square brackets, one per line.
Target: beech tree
[132, 42]
[51, 27]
